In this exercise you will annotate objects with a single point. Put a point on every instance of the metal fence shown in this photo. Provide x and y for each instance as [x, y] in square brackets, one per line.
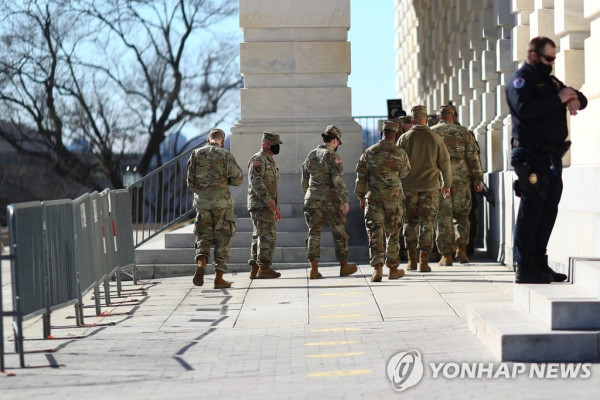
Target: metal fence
[371, 128]
[59, 251]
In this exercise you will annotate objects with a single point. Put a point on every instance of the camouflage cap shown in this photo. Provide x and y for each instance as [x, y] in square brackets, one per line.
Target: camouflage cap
[418, 110]
[271, 137]
[390, 126]
[405, 120]
[216, 133]
[335, 131]
[449, 108]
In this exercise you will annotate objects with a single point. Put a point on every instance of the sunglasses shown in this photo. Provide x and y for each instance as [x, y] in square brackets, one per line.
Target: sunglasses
[545, 57]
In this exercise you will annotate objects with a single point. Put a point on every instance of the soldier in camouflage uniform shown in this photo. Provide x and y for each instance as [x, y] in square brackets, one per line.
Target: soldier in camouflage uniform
[263, 177]
[379, 174]
[464, 158]
[210, 169]
[429, 157]
[326, 197]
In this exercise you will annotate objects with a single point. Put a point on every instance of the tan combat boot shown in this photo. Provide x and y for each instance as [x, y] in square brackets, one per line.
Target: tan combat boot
[412, 260]
[446, 260]
[220, 283]
[377, 273]
[395, 272]
[347, 269]
[461, 254]
[423, 262]
[198, 279]
[254, 269]
[314, 270]
[265, 272]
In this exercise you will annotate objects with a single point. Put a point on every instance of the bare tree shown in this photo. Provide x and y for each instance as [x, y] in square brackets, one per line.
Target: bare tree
[116, 73]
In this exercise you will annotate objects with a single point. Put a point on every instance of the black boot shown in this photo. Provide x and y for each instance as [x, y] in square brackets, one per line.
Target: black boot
[529, 274]
[545, 268]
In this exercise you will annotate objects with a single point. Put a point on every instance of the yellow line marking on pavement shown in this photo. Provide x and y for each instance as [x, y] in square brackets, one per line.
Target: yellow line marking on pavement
[342, 316]
[335, 355]
[331, 343]
[334, 374]
[335, 330]
[341, 305]
[339, 293]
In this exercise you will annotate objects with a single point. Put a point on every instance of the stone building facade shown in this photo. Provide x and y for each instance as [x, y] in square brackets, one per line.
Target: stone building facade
[464, 51]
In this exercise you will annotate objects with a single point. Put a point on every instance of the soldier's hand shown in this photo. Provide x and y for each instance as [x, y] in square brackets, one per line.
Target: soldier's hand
[446, 192]
[478, 188]
[277, 214]
[573, 106]
[272, 205]
[345, 208]
[362, 204]
[567, 94]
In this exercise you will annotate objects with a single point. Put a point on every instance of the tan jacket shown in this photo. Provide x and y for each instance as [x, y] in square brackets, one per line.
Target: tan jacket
[428, 157]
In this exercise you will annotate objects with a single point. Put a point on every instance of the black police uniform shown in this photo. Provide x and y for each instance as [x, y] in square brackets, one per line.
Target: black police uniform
[539, 131]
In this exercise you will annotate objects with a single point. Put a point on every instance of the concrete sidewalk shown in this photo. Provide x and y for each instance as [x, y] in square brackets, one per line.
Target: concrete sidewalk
[289, 338]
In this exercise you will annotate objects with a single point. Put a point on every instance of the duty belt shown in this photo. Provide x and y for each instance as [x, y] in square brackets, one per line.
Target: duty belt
[538, 146]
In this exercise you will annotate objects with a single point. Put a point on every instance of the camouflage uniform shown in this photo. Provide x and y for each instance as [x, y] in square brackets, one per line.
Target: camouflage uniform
[263, 177]
[210, 169]
[378, 182]
[464, 158]
[325, 193]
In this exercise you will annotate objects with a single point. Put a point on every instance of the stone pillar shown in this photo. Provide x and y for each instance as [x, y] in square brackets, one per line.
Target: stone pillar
[542, 20]
[295, 60]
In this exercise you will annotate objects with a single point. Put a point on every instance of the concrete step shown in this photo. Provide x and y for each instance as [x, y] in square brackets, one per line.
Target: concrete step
[290, 224]
[172, 270]
[586, 273]
[243, 239]
[511, 334]
[560, 305]
[148, 255]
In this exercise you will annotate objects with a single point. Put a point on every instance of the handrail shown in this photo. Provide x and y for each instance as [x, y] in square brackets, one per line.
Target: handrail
[161, 199]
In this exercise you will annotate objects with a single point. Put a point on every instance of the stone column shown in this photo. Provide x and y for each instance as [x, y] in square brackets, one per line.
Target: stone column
[295, 60]
[542, 20]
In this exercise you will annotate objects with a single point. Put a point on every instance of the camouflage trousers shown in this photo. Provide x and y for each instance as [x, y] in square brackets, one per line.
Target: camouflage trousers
[315, 212]
[383, 222]
[421, 209]
[264, 236]
[452, 222]
[214, 227]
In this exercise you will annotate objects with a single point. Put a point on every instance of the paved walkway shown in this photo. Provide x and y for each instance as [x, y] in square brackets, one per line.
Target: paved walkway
[290, 338]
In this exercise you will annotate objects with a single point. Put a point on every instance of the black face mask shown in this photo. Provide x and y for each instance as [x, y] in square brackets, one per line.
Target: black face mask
[275, 148]
[543, 69]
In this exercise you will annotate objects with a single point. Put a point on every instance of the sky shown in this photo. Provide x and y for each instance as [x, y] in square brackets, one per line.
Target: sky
[372, 38]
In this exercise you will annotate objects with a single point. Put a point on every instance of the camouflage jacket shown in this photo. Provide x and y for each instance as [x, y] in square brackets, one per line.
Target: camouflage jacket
[323, 176]
[263, 177]
[210, 169]
[463, 150]
[379, 173]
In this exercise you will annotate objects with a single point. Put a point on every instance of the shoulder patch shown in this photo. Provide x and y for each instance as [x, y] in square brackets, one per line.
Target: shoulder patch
[518, 83]
[338, 160]
[257, 163]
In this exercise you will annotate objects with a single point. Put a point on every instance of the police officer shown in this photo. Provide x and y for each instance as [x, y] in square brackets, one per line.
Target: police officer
[263, 178]
[464, 158]
[210, 169]
[326, 197]
[429, 157]
[538, 103]
[379, 174]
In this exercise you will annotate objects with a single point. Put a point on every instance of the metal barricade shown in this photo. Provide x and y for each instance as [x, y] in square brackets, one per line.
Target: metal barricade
[28, 269]
[59, 254]
[122, 230]
[98, 247]
[84, 249]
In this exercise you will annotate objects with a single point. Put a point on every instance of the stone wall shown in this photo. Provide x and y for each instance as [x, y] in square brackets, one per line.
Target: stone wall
[464, 51]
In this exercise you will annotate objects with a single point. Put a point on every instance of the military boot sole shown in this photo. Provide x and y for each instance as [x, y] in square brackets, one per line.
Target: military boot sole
[395, 274]
[425, 269]
[376, 277]
[198, 279]
[222, 285]
[316, 276]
